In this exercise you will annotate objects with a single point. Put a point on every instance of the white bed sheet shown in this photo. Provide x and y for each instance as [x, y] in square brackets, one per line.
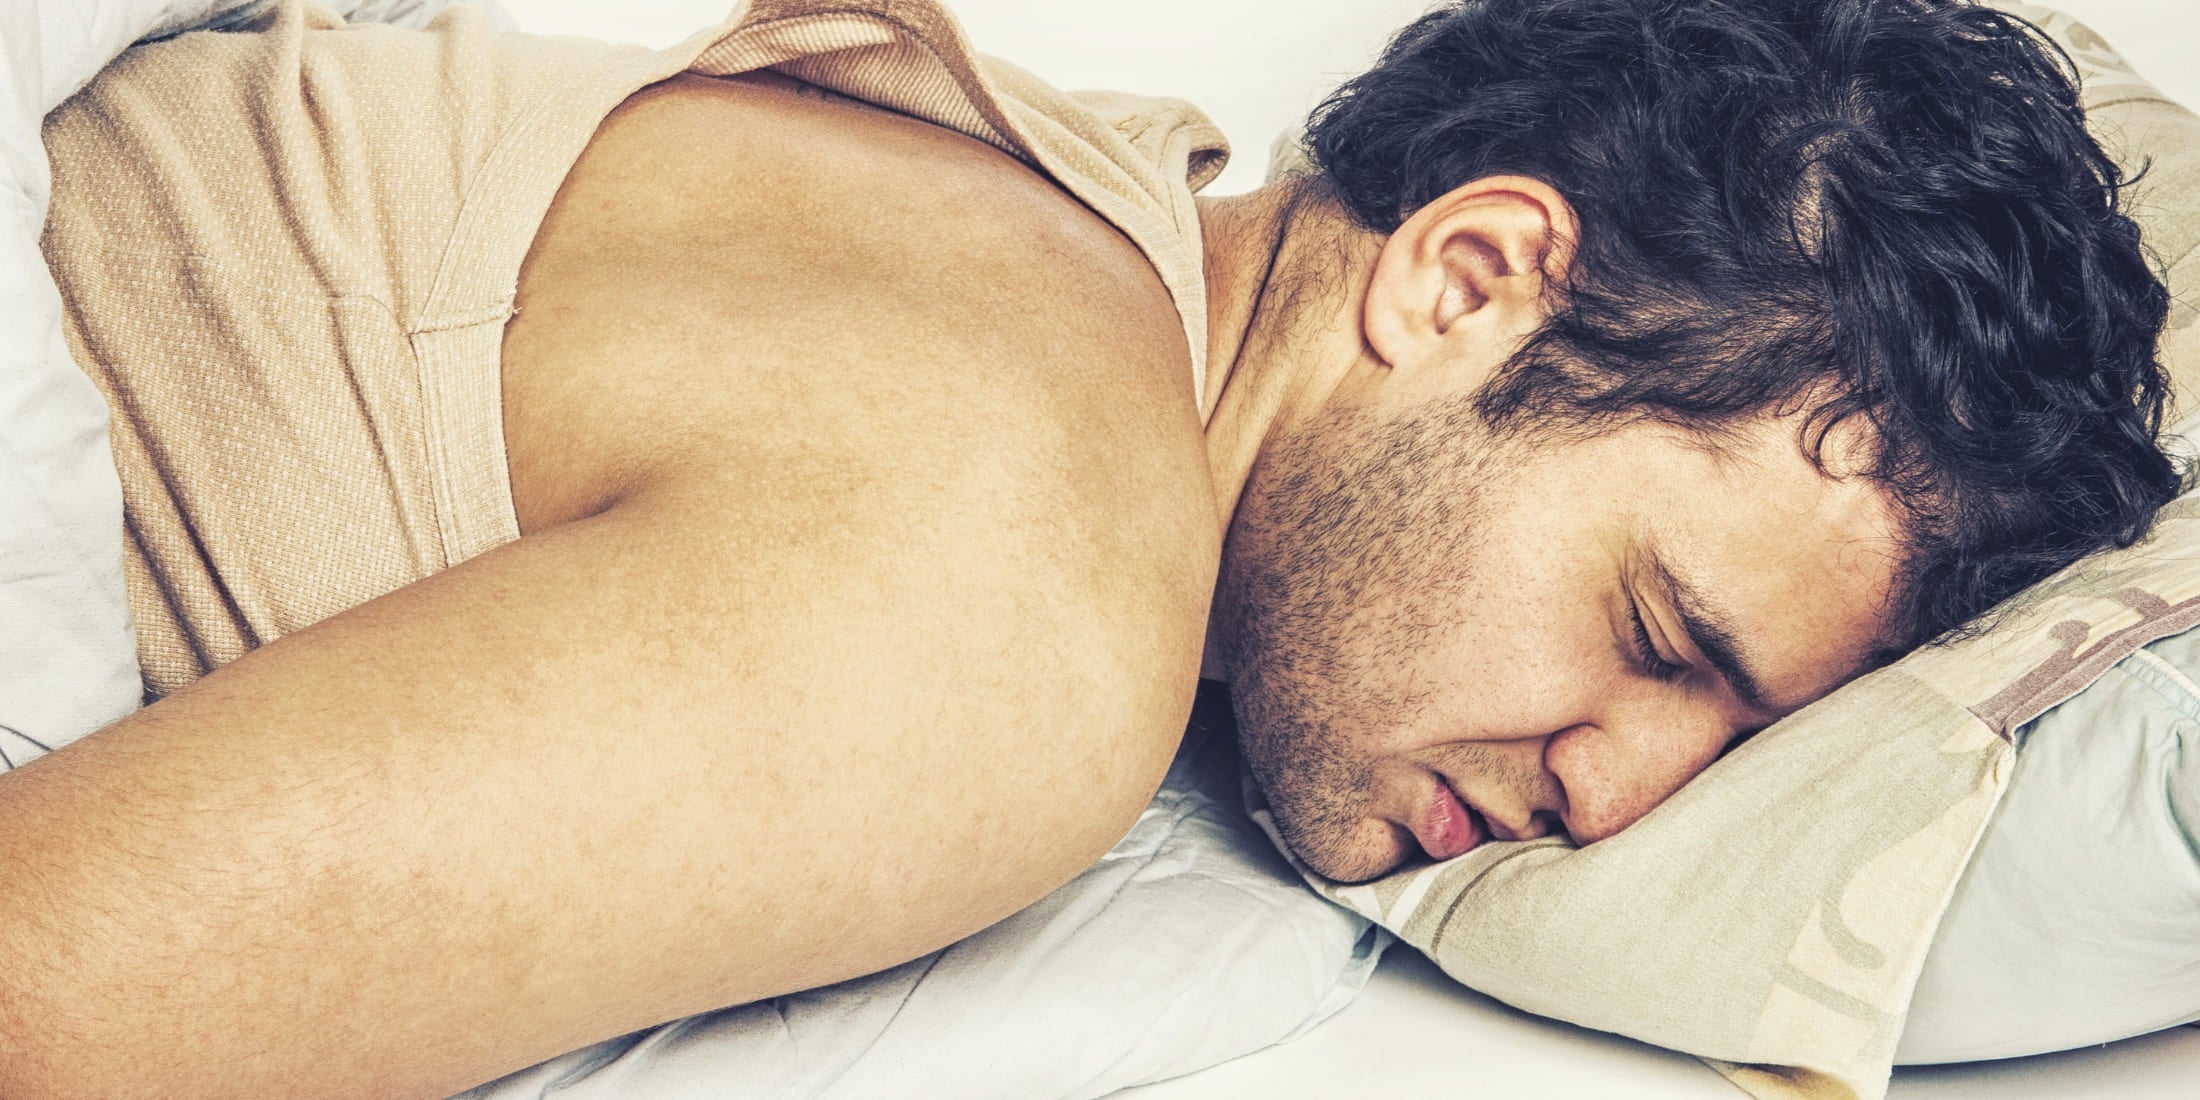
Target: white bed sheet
[1413, 1033]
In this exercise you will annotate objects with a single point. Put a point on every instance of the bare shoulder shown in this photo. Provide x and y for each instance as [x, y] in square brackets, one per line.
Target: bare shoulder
[829, 246]
[863, 318]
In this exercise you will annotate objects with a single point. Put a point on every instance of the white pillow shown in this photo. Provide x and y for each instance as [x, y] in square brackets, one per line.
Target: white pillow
[2078, 919]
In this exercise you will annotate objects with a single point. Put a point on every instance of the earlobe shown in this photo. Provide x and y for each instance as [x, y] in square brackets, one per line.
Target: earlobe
[1466, 273]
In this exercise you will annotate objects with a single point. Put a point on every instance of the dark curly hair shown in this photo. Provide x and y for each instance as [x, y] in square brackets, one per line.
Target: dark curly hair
[1878, 208]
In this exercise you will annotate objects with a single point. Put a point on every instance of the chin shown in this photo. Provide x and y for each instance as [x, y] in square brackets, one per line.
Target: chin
[1319, 790]
[1358, 869]
[1366, 850]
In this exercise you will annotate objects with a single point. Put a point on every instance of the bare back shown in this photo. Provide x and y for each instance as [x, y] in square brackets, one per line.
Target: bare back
[777, 266]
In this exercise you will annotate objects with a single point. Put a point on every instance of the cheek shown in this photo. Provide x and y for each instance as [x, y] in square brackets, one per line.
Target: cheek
[1530, 637]
[1394, 611]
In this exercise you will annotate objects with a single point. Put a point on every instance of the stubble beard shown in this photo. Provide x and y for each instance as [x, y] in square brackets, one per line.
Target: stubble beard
[1333, 574]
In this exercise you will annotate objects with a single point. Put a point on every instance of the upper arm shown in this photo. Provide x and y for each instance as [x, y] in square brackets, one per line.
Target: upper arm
[668, 758]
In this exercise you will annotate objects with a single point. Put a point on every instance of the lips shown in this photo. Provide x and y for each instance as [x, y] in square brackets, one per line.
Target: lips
[1447, 828]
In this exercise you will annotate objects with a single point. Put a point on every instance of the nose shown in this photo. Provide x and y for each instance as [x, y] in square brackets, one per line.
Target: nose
[1532, 824]
[1616, 769]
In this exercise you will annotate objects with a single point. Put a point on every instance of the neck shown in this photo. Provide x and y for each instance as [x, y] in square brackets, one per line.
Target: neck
[1285, 291]
[1284, 296]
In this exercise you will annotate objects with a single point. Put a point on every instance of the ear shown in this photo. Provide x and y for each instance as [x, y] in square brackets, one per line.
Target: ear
[1461, 283]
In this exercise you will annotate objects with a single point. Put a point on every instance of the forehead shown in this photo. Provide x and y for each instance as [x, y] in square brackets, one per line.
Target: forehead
[1799, 563]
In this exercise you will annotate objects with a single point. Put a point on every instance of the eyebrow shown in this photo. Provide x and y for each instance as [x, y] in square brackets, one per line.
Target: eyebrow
[1711, 629]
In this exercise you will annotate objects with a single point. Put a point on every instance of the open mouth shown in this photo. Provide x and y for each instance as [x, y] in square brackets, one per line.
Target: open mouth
[1449, 827]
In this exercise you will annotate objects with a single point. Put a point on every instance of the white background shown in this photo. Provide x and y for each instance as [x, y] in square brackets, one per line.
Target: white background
[1257, 66]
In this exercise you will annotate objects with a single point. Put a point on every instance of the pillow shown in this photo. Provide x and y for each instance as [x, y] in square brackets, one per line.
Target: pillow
[1775, 915]
[2078, 920]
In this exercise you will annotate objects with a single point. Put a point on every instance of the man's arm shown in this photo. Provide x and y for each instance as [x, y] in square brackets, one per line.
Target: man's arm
[670, 758]
[893, 630]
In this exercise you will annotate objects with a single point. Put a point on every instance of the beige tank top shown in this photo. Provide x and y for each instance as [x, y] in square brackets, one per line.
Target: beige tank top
[288, 254]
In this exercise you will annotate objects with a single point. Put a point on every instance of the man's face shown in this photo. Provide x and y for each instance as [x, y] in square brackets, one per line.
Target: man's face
[1435, 632]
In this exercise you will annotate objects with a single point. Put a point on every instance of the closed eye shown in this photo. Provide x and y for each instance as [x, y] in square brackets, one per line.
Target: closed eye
[1646, 655]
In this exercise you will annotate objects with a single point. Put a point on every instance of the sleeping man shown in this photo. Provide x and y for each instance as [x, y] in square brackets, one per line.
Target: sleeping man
[614, 534]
